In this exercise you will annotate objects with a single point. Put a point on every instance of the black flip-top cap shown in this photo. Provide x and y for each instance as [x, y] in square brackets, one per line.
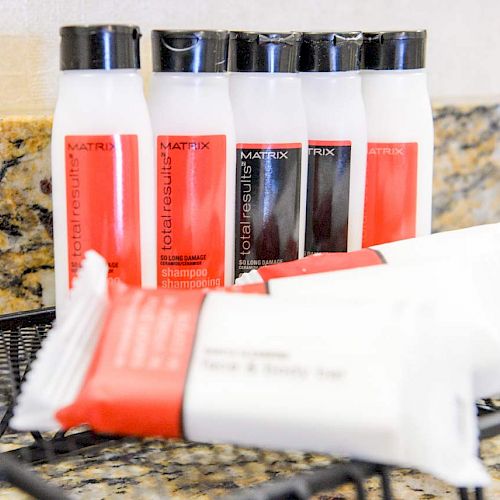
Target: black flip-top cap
[189, 51]
[394, 50]
[264, 52]
[326, 52]
[107, 46]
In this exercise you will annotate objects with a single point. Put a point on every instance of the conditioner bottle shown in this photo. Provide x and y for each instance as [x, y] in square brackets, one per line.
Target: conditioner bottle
[102, 165]
[331, 85]
[398, 198]
[271, 149]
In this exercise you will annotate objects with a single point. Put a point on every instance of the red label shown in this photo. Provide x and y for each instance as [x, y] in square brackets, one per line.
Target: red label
[102, 196]
[391, 192]
[191, 211]
[322, 263]
[135, 383]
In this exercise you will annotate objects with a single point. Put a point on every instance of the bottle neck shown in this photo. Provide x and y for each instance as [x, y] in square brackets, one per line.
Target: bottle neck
[395, 82]
[192, 89]
[267, 103]
[260, 86]
[99, 82]
[193, 80]
[190, 76]
[345, 82]
[394, 73]
[262, 75]
[328, 75]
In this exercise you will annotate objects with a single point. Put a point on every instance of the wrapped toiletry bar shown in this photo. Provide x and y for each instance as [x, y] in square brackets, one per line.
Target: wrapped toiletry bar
[358, 378]
[35, 463]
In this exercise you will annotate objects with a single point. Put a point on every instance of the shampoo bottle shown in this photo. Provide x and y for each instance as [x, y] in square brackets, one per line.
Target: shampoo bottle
[102, 166]
[398, 200]
[271, 149]
[331, 86]
[195, 159]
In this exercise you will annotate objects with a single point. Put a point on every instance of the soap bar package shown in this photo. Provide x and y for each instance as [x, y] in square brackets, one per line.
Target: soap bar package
[389, 382]
[458, 272]
[464, 291]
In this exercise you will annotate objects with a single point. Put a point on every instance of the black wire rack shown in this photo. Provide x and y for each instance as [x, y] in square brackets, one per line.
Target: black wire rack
[21, 335]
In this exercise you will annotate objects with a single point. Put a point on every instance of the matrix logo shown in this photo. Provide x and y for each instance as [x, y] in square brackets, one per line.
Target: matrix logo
[321, 151]
[183, 146]
[92, 146]
[264, 155]
[393, 151]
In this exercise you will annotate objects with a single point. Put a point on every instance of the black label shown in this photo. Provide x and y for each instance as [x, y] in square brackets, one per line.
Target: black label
[267, 205]
[327, 212]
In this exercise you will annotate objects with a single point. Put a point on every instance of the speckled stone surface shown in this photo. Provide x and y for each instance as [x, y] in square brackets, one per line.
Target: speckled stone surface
[180, 470]
[466, 166]
[26, 256]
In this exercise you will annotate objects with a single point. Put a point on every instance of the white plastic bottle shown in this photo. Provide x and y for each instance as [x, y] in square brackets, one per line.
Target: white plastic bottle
[195, 159]
[398, 200]
[331, 86]
[271, 149]
[102, 164]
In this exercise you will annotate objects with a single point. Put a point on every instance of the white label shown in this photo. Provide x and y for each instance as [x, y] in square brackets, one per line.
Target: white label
[283, 378]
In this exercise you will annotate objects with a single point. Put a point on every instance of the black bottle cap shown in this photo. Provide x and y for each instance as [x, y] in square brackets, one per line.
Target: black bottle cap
[264, 52]
[325, 52]
[394, 50]
[189, 51]
[108, 46]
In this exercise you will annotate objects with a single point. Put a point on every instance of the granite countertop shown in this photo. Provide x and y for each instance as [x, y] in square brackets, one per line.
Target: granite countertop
[26, 254]
[176, 469]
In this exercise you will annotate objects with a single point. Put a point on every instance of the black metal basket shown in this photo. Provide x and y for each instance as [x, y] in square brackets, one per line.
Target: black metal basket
[21, 335]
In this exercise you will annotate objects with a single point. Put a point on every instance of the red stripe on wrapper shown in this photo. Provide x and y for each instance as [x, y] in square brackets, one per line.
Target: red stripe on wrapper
[322, 263]
[135, 383]
[258, 288]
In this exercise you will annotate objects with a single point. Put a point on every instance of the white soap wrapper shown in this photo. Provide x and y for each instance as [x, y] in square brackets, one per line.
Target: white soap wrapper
[465, 293]
[382, 381]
